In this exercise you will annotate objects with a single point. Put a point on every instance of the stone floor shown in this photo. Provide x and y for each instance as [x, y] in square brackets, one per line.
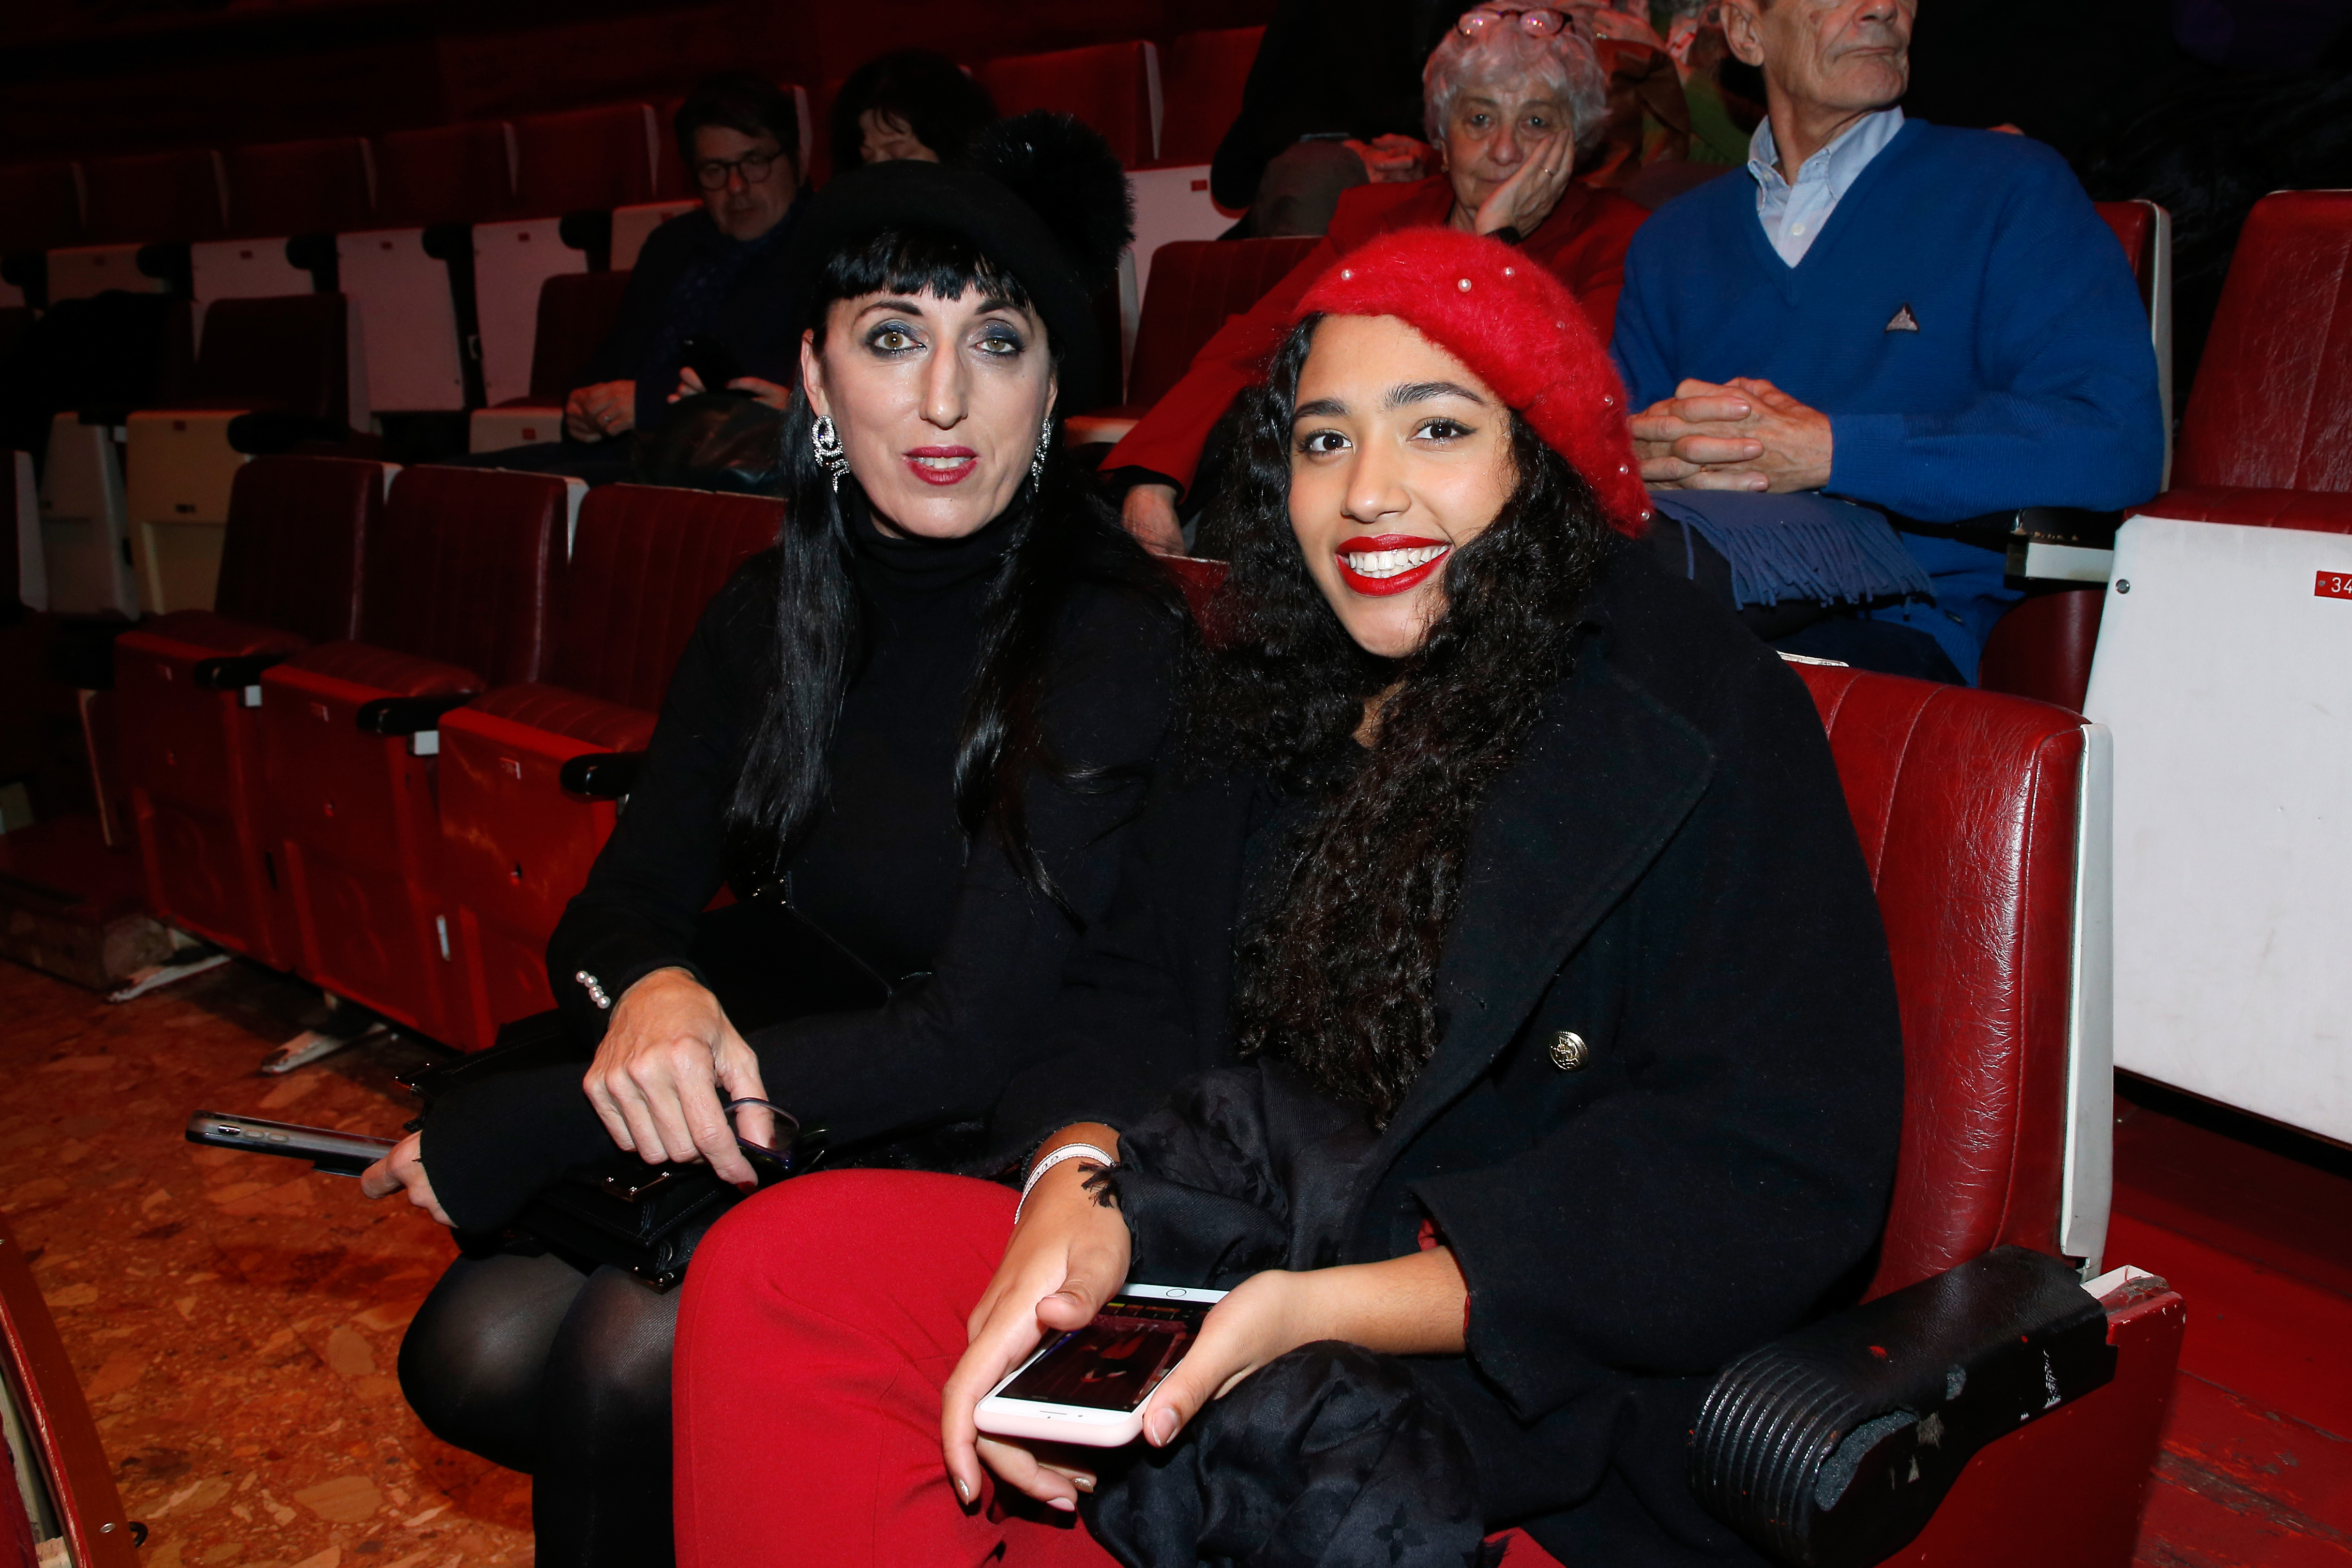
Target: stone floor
[234, 1319]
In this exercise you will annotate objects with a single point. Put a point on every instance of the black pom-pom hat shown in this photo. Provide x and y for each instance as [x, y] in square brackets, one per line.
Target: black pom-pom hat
[1039, 194]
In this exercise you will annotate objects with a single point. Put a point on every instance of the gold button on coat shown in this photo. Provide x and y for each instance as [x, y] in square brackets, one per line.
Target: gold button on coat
[1568, 1050]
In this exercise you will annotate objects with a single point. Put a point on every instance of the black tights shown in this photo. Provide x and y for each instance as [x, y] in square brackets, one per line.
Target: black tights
[563, 1375]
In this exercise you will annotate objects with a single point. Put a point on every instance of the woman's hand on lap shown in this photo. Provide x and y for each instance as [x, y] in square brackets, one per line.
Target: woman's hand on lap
[1067, 1256]
[403, 1170]
[668, 1058]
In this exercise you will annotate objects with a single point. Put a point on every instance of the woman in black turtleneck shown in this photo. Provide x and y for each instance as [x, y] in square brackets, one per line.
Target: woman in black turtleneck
[924, 720]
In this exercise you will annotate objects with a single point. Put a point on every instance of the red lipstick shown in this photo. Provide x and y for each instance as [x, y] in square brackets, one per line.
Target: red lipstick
[938, 470]
[1359, 558]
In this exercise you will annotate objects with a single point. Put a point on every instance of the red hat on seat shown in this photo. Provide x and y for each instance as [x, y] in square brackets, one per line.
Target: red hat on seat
[1518, 328]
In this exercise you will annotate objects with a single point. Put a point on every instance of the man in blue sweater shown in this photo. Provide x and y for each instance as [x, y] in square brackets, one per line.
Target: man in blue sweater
[1928, 322]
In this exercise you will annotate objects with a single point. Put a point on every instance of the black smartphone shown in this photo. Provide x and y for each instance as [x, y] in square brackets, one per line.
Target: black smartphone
[337, 1153]
[712, 361]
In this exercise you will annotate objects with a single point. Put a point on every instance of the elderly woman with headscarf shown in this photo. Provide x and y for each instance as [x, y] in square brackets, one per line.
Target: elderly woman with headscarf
[1510, 95]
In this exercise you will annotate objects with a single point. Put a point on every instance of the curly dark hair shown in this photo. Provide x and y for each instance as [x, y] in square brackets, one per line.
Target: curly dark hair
[1336, 964]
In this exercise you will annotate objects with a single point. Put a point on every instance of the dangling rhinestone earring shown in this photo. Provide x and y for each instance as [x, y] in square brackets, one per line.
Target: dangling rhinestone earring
[827, 443]
[1044, 445]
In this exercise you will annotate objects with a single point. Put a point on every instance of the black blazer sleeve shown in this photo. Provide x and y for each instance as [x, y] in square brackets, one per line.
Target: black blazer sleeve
[645, 302]
[941, 1050]
[1740, 1168]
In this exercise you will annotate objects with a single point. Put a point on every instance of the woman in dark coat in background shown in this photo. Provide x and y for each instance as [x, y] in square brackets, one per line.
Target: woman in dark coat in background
[1519, 878]
[924, 721]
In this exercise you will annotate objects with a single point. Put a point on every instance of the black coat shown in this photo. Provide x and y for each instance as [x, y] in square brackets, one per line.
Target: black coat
[755, 317]
[1667, 873]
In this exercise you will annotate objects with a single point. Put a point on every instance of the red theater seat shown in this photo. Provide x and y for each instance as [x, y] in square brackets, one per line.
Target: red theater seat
[1195, 286]
[446, 174]
[1203, 91]
[289, 576]
[1114, 88]
[576, 310]
[458, 577]
[298, 187]
[516, 845]
[2271, 408]
[584, 159]
[146, 197]
[40, 207]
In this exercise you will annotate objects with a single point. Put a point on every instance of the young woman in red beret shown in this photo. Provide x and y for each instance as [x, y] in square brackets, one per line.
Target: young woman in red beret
[1503, 931]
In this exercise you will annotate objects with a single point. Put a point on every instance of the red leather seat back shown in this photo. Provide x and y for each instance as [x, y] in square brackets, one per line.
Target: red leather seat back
[444, 173]
[1196, 284]
[2271, 408]
[584, 159]
[2041, 647]
[40, 207]
[150, 198]
[1201, 83]
[297, 538]
[2134, 228]
[576, 310]
[289, 352]
[298, 187]
[644, 564]
[461, 567]
[1964, 805]
[1200, 580]
[1105, 85]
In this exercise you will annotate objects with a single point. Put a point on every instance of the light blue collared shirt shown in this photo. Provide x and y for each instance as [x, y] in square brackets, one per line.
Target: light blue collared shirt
[1793, 216]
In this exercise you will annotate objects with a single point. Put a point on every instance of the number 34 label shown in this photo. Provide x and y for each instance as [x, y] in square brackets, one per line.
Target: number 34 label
[2334, 586]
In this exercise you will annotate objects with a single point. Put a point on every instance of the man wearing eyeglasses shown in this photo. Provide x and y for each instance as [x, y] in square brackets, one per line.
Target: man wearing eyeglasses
[717, 274]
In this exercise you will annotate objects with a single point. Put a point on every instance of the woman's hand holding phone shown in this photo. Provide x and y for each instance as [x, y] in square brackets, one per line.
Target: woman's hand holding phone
[668, 1057]
[1066, 1258]
[1406, 1306]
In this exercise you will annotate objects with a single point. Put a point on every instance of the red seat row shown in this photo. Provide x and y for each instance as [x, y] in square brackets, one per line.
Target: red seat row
[349, 768]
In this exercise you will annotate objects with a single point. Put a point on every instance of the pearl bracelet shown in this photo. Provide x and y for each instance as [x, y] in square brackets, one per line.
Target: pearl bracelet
[1037, 1171]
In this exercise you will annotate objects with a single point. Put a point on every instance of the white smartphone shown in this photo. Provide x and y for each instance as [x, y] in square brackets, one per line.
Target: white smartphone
[1088, 1386]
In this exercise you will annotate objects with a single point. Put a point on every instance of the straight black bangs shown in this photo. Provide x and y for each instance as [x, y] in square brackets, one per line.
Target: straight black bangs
[917, 260]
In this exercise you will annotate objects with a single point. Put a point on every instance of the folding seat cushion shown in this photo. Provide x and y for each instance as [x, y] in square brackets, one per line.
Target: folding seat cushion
[517, 843]
[1114, 88]
[186, 686]
[1196, 284]
[40, 207]
[457, 585]
[2271, 408]
[397, 271]
[576, 310]
[286, 356]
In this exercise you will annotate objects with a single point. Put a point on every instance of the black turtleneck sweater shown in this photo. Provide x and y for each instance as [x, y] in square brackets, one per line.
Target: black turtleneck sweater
[884, 869]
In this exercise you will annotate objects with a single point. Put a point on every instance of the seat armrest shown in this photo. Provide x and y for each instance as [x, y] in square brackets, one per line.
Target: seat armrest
[233, 672]
[1831, 1446]
[407, 715]
[601, 775]
[2074, 525]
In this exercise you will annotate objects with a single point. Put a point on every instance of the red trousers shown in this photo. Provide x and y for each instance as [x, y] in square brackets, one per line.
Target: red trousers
[819, 1322]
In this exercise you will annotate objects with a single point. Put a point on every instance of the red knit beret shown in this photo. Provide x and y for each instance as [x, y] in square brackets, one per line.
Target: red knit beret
[1517, 328]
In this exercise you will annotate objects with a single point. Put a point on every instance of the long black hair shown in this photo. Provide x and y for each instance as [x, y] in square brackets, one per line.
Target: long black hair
[1336, 964]
[1063, 534]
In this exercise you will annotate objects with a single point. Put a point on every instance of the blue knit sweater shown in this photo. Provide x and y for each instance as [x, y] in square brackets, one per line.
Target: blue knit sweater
[2029, 382]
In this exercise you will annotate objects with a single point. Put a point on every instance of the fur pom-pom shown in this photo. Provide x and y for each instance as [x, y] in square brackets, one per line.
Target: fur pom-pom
[1070, 176]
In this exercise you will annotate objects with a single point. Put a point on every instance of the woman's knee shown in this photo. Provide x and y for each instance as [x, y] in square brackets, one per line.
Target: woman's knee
[475, 1356]
[825, 1237]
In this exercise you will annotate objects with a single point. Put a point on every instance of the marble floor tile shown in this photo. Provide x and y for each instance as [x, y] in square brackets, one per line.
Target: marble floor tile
[234, 1319]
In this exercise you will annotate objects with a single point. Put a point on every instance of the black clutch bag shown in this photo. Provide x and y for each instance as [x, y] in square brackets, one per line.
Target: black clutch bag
[766, 963]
